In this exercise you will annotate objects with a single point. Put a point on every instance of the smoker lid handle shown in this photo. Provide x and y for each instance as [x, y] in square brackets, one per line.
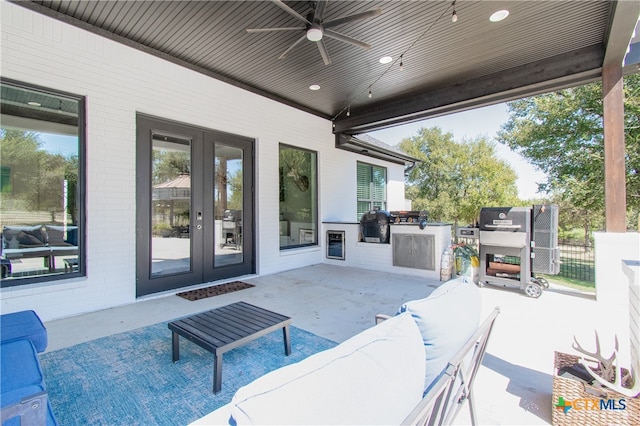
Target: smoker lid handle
[503, 226]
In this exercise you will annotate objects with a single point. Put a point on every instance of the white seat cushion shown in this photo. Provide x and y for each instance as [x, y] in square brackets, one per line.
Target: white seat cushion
[376, 377]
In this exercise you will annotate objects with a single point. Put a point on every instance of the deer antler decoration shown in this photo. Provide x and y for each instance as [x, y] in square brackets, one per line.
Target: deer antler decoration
[606, 364]
[610, 375]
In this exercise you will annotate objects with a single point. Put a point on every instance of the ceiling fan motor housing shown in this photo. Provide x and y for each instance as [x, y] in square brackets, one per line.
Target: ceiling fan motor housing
[314, 33]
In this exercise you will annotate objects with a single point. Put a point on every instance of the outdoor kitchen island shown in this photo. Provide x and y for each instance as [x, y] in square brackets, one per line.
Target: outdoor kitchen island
[412, 249]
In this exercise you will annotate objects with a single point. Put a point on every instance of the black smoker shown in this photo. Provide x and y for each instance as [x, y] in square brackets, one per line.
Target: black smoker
[515, 242]
[374, 226]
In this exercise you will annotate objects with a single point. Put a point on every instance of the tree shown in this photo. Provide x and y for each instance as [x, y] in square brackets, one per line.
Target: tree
[454, 180]
[168, 165]
[21, 157]
[561, 133]
[33, 179]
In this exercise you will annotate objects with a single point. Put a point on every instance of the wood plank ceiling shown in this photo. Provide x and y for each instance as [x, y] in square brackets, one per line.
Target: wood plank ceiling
[447, 66]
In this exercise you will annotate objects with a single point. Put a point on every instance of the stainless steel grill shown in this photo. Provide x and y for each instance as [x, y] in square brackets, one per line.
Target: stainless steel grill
[515, 242]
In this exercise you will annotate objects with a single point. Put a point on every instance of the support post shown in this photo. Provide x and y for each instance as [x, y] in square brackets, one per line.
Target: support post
[614, 149]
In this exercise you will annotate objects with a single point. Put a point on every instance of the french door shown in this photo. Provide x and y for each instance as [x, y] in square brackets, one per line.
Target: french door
[194, 205]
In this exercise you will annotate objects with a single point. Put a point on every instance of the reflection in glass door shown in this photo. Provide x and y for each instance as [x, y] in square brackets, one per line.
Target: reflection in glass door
[228, 205]
[194, 216]
[171, 205]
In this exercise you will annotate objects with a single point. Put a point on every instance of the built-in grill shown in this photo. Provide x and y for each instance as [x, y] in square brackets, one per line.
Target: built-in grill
[408, 216]
[509, 254]
[374, 226]
[232, 229]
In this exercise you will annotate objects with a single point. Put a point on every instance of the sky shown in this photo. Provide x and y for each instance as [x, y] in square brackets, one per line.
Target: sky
[470, 124]
[59, 144]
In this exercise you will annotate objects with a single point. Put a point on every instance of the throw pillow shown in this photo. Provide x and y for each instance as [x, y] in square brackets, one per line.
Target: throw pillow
[9, 239]
[56, 235]
[446, 319]
[26, 236]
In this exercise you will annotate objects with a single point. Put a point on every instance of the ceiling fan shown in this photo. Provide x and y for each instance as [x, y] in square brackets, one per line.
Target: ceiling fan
[316, 28]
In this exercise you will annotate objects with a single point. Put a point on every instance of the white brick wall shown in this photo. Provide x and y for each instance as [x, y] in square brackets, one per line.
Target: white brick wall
[613, 291]
[632, 271]
[118, 82]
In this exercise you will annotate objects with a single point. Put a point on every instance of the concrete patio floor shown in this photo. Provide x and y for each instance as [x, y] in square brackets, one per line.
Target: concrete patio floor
[515, 383]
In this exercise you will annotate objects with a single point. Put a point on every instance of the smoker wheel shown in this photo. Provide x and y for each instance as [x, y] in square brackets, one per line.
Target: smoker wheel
[533, 290]
[543, 282]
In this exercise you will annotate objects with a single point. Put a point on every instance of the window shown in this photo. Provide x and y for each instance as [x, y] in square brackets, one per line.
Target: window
[298, 197]
[372, 188]
[41, 184]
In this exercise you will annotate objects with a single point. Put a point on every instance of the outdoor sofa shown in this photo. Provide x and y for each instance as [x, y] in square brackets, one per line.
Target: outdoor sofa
[23, 395]
[416, 367]
[32, 241]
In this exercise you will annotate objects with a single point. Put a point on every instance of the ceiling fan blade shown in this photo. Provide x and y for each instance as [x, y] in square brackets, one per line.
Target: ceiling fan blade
[358, 16]
[290, 11]
[346, 39]
[266, 30]
[323, 52]
[300, 40]
[319, 13]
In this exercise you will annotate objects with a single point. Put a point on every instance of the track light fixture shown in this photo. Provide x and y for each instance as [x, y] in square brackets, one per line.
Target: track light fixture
[346, 110]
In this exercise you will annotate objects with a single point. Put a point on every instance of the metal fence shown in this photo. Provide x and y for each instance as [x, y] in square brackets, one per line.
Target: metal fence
[577, 260]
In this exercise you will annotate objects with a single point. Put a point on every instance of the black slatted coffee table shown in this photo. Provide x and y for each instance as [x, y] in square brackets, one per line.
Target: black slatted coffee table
[225, 328]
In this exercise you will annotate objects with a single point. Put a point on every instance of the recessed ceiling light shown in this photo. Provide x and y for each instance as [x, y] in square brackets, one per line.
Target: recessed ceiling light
[33, 103]
[499, 15]
[386, 59]
[314, 87]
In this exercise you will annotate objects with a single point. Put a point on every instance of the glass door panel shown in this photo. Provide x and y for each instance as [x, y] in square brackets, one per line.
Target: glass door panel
[194, 218]
[170, 205]
[228, 205]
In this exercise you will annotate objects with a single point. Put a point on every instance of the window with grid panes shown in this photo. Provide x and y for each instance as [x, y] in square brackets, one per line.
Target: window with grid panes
[371, 188]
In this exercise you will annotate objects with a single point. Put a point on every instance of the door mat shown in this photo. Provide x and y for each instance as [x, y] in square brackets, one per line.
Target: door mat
[214, 290]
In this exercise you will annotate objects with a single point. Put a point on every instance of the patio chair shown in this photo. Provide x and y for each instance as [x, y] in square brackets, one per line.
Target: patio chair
[446, 395]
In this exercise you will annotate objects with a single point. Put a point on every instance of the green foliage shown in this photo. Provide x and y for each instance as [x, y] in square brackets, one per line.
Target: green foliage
[36, 176]
[297, 169]
[456, 179]
[168, 165]
[574, 235]
[234, 191]
[561, 133]
[575, 222]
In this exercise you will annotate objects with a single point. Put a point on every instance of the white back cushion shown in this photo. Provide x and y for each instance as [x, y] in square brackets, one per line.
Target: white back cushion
[446, 319]
[376, 377]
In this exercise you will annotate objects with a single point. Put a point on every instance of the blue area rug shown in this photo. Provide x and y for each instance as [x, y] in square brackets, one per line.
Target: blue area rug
[129, 379]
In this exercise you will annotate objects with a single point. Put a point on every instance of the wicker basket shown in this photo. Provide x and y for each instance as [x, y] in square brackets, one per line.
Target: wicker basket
[572, 390]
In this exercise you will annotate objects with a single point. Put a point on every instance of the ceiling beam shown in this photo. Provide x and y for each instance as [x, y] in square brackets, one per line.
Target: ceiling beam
[361, 146]
[624, 18]
[562, 71]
